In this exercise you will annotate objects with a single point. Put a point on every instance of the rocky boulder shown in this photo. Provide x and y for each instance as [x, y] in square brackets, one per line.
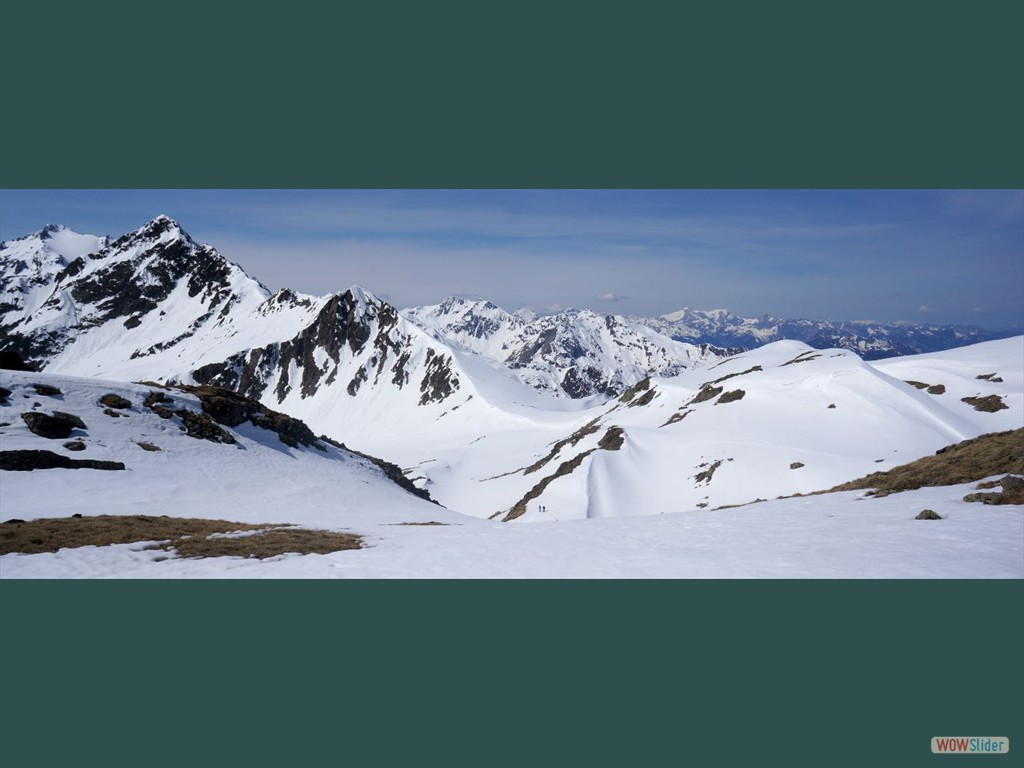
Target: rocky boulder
[56, 427]
[26, 461]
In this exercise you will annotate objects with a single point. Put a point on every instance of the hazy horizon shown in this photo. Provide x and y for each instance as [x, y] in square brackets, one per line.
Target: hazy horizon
[919, 256]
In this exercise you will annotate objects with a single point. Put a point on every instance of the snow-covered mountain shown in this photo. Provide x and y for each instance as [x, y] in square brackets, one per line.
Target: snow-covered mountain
[89, 299]
[30, 265]
[779, 420]
[871, 340]
[186, 454]
[576, 353]
[156, 305]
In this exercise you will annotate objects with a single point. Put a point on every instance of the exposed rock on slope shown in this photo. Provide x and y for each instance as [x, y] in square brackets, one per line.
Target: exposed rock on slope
[576, 353]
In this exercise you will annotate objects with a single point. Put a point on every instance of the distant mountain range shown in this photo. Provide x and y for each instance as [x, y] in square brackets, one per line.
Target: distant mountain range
[871, 340]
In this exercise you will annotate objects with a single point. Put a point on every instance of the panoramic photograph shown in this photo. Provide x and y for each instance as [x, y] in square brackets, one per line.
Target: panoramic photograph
[512, 384]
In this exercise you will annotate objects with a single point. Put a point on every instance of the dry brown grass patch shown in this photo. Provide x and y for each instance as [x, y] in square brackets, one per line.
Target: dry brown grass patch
[188, 536]
[989, 404]
[428, 522]
[997, 453]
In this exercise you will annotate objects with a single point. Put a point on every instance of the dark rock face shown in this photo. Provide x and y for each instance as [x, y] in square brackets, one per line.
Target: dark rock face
[346, 326]
[644, 399]
[197, 425]
[1012, 493]
[636, 389]
[46, 390]
[707, 474]
[542, 345]
[574, 384]
[56, 427]
[4, 394]
[584, 382]
[115, 401]
[439, 381]
[357, 382]
[1011, 484]
[155, 402]
[401, 377]
[731, 396]
[126, 282]
[202, 427]
[612, 440]
[10, 360]
[118, 290]
[231, 409]
[26, 461]
[706, 392]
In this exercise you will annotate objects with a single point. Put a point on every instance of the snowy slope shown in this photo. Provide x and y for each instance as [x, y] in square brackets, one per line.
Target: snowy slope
[829, 415]
[259, 479]
[576, 353]
[834, 536]
[29, 267]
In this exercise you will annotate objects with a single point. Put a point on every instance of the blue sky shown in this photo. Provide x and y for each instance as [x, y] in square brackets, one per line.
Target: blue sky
[944, 256]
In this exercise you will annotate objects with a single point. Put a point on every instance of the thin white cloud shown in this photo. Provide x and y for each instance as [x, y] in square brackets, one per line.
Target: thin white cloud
[608, 297]
[997, 203]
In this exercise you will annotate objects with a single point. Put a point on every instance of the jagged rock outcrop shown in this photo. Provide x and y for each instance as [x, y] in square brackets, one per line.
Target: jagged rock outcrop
[575, 353]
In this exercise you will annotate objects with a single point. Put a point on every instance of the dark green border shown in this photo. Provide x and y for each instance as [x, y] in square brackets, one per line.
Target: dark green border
[472, 673]
[503, 673]
[449, 94]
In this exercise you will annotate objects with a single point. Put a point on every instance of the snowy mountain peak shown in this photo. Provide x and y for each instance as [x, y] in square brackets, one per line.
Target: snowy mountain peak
[162, 228]
[576, 353]
[66, 294]
[31, 265]
[49, 229]
[360, 297]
